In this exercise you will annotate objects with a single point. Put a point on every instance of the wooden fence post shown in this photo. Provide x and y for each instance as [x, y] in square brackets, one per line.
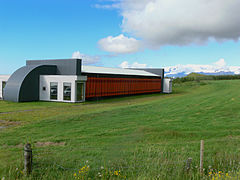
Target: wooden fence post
[188, 164]
[201, 156]
[27, 158]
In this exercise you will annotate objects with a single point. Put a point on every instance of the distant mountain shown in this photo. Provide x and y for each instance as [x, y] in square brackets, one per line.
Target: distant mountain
[217, 68]
[182, 74]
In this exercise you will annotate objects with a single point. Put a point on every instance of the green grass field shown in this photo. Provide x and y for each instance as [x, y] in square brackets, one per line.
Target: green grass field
[143, 137]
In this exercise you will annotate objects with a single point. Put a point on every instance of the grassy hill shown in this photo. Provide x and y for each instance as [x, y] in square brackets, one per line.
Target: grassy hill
[196, 75]
[201, 77]
[143, 137]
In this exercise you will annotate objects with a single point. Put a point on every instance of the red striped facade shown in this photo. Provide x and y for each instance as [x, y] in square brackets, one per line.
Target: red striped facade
[103, 86]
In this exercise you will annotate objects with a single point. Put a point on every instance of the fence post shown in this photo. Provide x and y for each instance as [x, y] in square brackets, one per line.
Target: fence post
[188, 164]
[27, 158]
[201, 156]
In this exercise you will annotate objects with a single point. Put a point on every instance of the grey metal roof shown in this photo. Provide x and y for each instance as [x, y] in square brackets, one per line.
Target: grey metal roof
[64, 66]
[23, 85]
[118, 71]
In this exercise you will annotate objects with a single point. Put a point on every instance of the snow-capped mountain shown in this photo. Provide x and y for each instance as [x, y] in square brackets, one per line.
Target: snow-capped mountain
[218, 68]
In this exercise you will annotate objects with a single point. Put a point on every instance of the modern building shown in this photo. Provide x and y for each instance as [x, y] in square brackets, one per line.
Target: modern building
[3, 82]
[67, 80]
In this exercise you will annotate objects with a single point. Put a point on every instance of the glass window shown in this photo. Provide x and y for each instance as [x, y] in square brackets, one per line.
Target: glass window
[67, 91]
[80, 91]
[53, 90]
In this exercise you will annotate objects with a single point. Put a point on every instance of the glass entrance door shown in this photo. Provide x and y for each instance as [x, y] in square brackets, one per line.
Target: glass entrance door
[80, 91]
[3, 86]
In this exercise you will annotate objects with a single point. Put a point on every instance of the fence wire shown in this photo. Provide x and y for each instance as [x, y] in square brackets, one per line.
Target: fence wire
[155, 158]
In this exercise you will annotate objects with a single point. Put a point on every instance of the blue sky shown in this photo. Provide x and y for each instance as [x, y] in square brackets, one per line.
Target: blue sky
[43, 29]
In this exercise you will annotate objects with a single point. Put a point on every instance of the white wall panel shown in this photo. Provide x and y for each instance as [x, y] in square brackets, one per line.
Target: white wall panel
[167, 85]
[3, 78]
[45, 81]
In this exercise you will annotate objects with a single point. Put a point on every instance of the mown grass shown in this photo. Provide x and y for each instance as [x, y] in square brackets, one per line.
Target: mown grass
[145, 137]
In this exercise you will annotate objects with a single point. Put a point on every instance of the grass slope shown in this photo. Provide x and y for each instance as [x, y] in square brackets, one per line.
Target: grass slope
[195, 75]
[145, 137]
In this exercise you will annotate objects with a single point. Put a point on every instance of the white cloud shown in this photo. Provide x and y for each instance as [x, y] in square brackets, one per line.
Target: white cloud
[125, 64]
[221, 63]
[119, 44]
[101, 1]
[86, 59]
[216, 67]
[107, 6]
[175, 22]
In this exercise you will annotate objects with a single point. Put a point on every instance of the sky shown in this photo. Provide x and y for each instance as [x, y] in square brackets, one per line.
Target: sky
[121, 33]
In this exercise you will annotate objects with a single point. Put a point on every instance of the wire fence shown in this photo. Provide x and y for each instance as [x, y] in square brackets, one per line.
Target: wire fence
[154, 160]
[150, 159]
